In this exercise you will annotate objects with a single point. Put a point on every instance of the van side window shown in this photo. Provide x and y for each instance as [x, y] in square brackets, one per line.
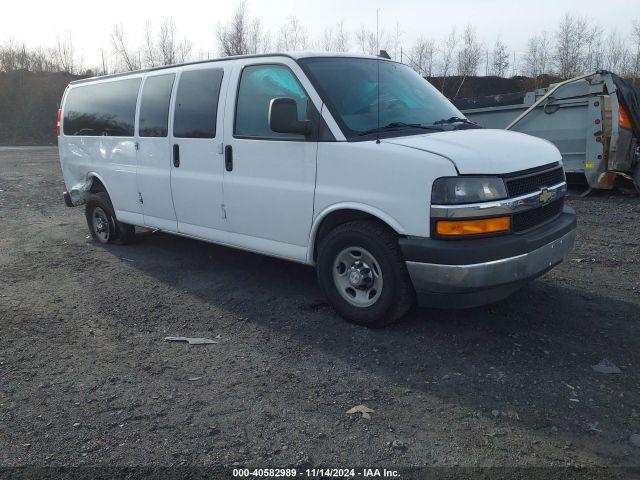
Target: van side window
[154, 106]
[102, 109]
[197, 104]
[260, 84]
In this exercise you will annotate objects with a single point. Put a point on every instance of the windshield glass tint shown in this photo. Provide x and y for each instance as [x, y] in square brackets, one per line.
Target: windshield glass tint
[349, 87]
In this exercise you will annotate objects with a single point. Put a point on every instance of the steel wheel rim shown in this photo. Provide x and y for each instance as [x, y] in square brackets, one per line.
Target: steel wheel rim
[357, 276]
[101, 225]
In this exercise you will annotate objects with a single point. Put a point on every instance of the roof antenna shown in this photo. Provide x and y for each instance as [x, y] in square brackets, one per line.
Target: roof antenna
[378, 65]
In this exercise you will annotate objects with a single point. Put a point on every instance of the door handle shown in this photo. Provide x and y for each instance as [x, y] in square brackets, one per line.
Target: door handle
[176, 155]
[228, 158]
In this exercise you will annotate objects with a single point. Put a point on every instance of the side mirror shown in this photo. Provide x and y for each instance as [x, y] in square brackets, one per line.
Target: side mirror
[283, 117]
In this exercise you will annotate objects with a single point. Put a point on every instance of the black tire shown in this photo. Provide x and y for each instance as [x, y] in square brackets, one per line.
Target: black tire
[102, 222]
[126, 233]
[636, 178]
[396, 295]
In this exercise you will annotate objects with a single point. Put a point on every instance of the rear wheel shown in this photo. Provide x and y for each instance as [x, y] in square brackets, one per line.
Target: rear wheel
[362, 273]
[102, 222]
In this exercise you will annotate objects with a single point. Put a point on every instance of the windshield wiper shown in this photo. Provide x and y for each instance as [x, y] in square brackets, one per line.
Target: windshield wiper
[454, 120]
[396, 125]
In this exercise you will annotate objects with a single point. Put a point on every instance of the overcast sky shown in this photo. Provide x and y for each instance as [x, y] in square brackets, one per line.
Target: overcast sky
[38, 22]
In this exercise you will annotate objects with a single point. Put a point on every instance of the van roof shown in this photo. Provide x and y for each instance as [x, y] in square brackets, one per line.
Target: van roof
[292, 55]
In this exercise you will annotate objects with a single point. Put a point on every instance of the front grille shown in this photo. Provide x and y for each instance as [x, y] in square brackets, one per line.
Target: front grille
[532, 218]
[534, 182]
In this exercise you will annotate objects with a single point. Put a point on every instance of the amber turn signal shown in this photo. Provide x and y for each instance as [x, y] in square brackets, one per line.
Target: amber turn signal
[473, 227]
[624, 121]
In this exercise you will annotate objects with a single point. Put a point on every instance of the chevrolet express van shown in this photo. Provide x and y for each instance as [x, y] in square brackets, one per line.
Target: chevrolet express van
[355, 165]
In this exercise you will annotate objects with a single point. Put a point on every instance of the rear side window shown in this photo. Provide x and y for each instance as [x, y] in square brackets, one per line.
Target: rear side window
[154, 106]
[259, 85]
[197, 104]
[102, 109]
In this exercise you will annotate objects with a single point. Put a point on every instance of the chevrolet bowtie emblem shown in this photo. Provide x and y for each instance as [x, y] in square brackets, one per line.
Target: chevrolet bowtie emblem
[545, 196]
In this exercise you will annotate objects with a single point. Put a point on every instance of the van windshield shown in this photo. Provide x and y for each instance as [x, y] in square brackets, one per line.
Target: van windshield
[408, 103]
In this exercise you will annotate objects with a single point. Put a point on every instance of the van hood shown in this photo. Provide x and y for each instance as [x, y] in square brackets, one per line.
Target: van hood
[485, 151]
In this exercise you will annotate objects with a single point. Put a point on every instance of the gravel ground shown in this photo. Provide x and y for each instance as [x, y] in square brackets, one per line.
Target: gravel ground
[87, 378]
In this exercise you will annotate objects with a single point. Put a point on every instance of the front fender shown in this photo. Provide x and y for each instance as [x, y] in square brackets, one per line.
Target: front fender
[361, 207]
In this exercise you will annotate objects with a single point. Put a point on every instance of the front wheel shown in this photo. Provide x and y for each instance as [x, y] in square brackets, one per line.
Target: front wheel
[362, 273]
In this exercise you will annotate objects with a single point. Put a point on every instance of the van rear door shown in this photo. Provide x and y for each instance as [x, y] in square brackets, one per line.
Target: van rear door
[196, 147]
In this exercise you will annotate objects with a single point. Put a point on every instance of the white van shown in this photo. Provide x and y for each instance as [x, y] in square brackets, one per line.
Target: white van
[355, 165]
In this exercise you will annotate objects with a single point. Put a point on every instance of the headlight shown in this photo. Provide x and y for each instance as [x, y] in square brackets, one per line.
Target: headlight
[456, 190]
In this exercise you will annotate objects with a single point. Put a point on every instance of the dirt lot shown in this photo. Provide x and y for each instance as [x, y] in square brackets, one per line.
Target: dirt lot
[86, 377]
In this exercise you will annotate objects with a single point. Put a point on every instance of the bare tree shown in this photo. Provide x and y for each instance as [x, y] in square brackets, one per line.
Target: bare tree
[61, 58]
[422, 57]
[161, 47]
[327, 41]
[171, 49]
[370, 43]
[616, 55]
[470, 53]
[167, 42]
[7, 61]
[104, 64]
[367, 41]
[577, 45]
[41, 60]
[65, 55]
[150, 53]
[544, 54]
[570, 41]
[635, 48]
[499, 59]
[334, 38]
[341, 39]
[537, 57]
[259, 40]
[233, 37]
[397, 42]
[532, 57]
[447, 51]
[293, 35]
[593, 49]
[242, 35]
[130, 60]
[14, 57]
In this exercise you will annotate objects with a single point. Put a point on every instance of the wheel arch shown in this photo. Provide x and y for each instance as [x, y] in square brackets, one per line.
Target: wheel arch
[91, 182]
[95, 183]
[338, 214]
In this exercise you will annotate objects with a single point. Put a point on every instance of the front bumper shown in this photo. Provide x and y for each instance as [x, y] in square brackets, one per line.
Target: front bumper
[467, 273]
